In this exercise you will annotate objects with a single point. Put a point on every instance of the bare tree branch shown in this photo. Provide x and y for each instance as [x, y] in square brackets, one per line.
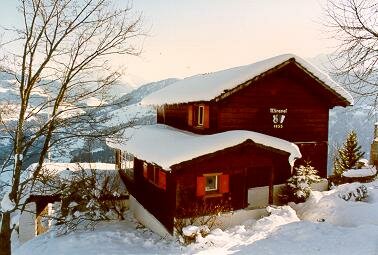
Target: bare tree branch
[354, 24]
[64, 61]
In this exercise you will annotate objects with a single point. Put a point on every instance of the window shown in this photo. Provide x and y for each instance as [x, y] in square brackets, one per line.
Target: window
[200, 115]
[210, 184]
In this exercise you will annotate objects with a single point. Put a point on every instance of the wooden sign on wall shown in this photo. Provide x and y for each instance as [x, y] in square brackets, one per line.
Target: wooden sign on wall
[278, 117]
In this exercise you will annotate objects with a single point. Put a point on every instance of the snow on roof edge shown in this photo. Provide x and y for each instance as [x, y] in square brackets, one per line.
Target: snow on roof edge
[191, 89]
[325, 78]
[64, 171]
[146, 143]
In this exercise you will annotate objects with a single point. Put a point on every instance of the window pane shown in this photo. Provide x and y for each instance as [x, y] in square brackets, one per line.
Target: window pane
[200, 115]
[211, 183]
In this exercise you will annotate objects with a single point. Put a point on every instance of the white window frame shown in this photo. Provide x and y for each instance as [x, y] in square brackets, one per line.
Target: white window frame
[207, 189]
[200, 121]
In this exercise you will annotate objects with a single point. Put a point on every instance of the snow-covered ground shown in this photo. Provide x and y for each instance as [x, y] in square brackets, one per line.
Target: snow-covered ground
[363, 172]
[325, 224]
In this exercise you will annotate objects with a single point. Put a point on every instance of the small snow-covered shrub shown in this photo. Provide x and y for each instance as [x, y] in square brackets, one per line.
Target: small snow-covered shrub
[204, 215]
[299, 185]
[192, 233]
[359, 193]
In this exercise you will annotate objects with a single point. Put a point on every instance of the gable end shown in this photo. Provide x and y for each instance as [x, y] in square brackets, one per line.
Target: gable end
[337, 101]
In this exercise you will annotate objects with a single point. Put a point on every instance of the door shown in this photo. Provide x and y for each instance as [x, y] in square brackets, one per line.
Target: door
[238, 191]
[259, 186]
[258, 176]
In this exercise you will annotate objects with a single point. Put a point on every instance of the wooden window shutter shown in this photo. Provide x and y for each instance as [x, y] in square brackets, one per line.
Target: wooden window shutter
[206, 118]
[224, 183]
[145, 170]
[162, 179]
[151, 172]
[201, 186]
[190, 115]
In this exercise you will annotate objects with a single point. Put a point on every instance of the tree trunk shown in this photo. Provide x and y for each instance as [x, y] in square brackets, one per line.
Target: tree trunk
[5, 235]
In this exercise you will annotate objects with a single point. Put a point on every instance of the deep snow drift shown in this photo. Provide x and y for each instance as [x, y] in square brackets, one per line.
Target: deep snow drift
[325, 224]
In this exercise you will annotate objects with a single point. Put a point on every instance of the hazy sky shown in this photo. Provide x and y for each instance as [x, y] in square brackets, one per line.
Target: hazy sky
[197, 36]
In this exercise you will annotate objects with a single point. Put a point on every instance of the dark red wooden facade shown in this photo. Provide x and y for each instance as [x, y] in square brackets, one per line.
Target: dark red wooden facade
[291, 92]
[248, 165]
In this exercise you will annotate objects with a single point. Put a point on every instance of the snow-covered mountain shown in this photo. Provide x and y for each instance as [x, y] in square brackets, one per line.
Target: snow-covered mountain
[127, 109]
[136, 95]
[121, 89]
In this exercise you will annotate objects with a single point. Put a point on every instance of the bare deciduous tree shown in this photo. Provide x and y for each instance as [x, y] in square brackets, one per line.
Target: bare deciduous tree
[354, 24]
[84, 195]
[59, 60]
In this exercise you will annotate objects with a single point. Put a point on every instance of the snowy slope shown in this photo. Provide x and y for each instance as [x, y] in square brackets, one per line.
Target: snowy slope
[134, 113]
[128, 107]
[137, 95]
[329, 206]
[283, 232]
[127, 110]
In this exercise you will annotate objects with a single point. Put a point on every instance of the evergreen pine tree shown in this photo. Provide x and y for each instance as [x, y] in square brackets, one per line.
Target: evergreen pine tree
[348, 155]
[300, 183]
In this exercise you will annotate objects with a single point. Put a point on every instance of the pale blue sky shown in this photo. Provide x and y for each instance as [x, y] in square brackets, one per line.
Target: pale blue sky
[197, 36]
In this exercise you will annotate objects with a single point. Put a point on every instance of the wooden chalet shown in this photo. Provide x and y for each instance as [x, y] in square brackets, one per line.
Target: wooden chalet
[222, 134]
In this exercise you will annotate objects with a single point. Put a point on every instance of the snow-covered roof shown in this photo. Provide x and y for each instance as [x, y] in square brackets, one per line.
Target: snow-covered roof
[167, 146]
[65, 171]
[367, 171]
[205, 87]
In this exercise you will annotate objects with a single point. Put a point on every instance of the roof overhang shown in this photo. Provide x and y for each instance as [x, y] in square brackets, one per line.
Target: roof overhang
[166, 146]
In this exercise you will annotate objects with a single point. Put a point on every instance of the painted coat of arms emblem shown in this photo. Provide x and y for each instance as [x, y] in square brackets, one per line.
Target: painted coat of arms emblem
[278, 116]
